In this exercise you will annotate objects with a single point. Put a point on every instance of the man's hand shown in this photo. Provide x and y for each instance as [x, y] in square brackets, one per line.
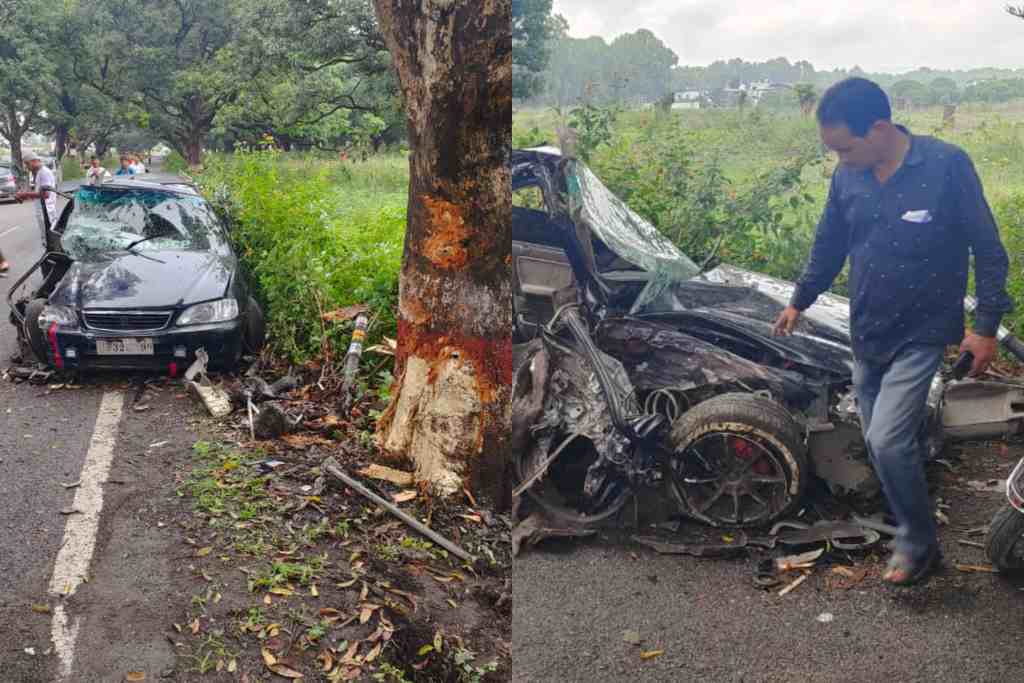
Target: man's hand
[984, 350]
[20, 196]
[786, 322]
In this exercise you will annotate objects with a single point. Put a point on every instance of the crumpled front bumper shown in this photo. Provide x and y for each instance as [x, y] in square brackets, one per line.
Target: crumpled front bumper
[174, 349]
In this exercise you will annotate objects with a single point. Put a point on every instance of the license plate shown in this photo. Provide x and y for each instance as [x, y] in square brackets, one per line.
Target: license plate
[124, 347]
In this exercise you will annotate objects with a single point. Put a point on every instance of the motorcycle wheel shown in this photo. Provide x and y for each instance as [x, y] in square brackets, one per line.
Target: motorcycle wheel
[1003, 544]
[738, 460]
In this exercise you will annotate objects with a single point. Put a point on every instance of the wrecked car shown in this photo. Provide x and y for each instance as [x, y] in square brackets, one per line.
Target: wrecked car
[658, 372]
[138, 274]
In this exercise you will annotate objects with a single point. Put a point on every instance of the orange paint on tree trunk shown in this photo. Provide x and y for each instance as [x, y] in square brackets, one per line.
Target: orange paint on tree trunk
[447, 245]
[491, 358]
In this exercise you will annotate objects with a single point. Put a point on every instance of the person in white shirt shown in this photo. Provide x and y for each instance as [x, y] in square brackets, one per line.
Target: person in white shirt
[43, 179]
[96, 173]
[137, 164]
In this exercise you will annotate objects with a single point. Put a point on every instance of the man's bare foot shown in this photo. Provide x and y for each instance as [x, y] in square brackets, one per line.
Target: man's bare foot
[4, 266]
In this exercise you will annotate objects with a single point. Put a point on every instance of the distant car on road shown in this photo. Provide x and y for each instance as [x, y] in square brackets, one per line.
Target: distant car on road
[140, 276]
[8, 183]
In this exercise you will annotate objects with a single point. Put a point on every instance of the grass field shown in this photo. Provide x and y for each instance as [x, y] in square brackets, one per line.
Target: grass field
[666, 166]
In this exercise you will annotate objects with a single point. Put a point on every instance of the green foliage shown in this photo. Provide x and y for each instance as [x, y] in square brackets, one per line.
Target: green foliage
[593, 126]
[668, 175]
[532, 30]
[175, 163]
[315, 235]
[71, 168]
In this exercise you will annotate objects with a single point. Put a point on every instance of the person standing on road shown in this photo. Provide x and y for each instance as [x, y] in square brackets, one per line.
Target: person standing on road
[47, 200]
[96, 172]
[126, 166]
[908, 211]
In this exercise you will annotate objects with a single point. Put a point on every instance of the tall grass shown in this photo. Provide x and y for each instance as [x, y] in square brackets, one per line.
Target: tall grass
[744, 146]
[315, 235]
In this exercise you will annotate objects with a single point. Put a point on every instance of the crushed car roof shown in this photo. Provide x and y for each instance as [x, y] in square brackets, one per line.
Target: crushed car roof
[161, 182]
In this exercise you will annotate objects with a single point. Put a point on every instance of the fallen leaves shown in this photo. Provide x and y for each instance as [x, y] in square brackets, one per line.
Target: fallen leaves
[135, 676]
[41, 609]
[285, 671]
[203, 552]
[651, 654]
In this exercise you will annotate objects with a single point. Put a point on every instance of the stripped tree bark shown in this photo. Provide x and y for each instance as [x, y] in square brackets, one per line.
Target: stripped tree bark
[450, 414]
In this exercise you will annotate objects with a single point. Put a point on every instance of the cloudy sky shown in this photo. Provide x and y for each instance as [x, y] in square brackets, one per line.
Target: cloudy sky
[879, 35]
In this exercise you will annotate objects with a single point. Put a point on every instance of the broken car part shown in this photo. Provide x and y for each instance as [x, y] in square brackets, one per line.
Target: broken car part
[645, 332]
[716, 550]
[331, 466]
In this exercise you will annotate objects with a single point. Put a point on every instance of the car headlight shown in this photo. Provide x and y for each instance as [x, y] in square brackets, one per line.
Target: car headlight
[218, 311]
[64, 316]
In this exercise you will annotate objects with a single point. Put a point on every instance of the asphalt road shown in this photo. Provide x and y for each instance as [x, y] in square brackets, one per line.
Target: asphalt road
[118, 614]
[575, 600]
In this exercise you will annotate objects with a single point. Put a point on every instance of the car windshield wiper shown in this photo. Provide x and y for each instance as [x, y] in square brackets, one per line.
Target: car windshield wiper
[146, 239]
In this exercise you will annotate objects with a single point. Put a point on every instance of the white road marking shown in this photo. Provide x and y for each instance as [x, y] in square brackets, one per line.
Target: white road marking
[72, 565]
[8, 232]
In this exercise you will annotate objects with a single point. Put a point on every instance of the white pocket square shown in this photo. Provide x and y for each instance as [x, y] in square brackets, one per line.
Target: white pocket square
[920, 216]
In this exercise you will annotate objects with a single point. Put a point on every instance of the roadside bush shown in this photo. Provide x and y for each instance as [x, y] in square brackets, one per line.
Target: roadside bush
[71, 168]
[314, 239]
[666, 174]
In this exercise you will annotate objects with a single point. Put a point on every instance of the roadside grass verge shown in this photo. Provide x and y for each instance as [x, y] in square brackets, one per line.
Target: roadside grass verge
[293, 573]
[315, 235]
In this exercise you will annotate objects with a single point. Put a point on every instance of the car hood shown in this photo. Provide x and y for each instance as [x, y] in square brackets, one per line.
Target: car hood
[153, 279]
[730, 302]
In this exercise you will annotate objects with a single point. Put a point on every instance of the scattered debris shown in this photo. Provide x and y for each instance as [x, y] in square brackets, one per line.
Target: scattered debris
[214, 398]
[332, 467]
[536, 528]
[268, 466]
[396, 477]
[30, 375]
[651, 654]
[877, 525]
[159, 444]
[70, 511]
[30, 651]
[790, 587]
[973, 544]
[632, 637]
[801, 561]
[272, 421]
[351, 366]
[984, 568]
[343, 314]
[72, 485]
[825, 618]
[719, 550]
[977, 531]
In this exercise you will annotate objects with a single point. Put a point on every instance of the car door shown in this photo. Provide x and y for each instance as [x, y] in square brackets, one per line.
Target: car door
[540, 266]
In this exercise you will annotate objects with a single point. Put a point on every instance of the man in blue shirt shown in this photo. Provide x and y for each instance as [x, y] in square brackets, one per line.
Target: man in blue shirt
[126, 166]
[908, 211]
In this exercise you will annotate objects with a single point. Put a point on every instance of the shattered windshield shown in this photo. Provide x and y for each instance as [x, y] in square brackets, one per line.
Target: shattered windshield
[105, 220]
[625, 233]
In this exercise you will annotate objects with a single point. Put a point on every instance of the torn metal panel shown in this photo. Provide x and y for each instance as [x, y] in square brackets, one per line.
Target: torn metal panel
[974, 409]
[657, 356]
[839, 457]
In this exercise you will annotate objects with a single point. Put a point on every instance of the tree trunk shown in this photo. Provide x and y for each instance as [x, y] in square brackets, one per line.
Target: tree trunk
[60, 143]
[102, 146]
[194, 150]
[451, 412]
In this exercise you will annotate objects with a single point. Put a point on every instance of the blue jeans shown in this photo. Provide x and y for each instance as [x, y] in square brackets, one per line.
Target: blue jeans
[892, 399]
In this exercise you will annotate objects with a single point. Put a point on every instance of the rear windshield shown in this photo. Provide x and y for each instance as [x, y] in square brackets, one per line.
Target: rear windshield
[105, 220]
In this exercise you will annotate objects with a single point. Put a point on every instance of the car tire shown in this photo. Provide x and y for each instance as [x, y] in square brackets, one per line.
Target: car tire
[254, 330]
[733, 449]
[33, 333]
[1005, 533]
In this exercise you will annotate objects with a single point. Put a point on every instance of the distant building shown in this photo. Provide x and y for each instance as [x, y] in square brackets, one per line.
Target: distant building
[689, 99]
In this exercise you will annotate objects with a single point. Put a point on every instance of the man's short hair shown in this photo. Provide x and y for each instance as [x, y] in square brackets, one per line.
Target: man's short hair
[856, 103]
